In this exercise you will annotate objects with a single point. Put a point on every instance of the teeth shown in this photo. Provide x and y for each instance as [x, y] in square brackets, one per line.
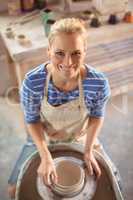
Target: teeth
[63, 68]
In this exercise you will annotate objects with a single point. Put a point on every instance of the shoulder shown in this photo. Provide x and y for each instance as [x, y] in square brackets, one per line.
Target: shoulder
[96, 83]
[37, 73]
[95, 77]
[35, 78]
[95, 73]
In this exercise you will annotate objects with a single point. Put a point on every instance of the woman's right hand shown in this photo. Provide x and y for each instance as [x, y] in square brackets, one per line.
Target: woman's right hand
[47, 171]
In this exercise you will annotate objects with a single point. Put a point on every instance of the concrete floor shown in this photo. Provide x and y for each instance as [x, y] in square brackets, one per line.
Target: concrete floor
[116, 136]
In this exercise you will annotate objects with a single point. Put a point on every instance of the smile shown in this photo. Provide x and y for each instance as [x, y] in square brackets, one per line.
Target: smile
[66, 69]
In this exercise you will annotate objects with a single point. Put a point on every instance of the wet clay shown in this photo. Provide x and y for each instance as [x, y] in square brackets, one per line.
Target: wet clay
[68, 173]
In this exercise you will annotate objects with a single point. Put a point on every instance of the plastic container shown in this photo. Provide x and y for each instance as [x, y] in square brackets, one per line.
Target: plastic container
[48, 25]
[47, 19]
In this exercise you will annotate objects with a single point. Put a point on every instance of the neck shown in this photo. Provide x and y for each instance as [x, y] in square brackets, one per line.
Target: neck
[64, 80]
[66, 84]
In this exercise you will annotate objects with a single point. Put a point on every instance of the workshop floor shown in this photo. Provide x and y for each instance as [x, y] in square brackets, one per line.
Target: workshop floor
[116, 136]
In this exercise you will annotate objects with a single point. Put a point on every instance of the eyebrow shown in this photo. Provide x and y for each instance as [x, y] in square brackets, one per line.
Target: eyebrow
[77, 50]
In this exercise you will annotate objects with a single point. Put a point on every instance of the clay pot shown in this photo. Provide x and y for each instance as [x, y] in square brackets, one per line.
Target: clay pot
[40, 4]
[23, 40]
[14, 7]
[113, 19]
[10, 33]
[128, 17]
[70, 178]
[27, 5]
[95, 22]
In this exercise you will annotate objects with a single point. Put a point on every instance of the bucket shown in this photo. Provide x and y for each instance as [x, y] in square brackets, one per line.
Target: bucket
[84, 186]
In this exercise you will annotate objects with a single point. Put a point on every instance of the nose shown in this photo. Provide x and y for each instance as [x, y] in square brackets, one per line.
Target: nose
[67, 60]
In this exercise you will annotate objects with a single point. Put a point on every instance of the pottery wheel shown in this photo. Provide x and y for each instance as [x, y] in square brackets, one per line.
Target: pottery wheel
[85, 193]
[31, 187]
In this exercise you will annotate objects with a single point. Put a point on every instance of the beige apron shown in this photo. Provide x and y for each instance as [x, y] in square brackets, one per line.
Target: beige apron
[66, 122]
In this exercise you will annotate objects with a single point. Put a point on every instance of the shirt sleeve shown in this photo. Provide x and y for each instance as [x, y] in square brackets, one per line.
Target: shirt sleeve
[30, 102]
[99, 102]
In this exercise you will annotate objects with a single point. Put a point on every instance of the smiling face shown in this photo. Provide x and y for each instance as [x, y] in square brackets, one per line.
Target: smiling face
[67, 53]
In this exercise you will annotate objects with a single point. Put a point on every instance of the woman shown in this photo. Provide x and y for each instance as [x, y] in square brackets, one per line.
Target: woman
[63, 101]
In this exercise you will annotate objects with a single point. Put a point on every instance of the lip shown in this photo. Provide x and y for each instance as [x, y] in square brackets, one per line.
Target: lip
[66, 69]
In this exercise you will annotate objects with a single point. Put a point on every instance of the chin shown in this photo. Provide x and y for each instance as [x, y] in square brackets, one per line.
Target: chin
[69, 74]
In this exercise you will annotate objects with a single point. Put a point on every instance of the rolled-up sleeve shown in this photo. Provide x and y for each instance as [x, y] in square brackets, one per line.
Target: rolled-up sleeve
[30, 102]
[100, 100]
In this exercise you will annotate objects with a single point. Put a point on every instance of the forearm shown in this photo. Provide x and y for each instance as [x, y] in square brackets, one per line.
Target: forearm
[46, 167]
[37, 134]
[95, 125]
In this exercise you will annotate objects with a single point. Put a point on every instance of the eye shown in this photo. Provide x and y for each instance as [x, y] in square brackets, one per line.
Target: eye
[60, 53]
[76, 53]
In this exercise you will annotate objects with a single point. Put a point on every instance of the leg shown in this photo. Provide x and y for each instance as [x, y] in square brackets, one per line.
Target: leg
[27, 150]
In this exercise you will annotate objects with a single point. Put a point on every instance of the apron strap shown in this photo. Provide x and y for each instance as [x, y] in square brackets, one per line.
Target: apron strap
[46, 87]
[81, 92]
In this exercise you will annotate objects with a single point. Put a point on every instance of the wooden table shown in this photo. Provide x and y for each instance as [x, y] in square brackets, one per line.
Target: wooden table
[25, 58]
[109, 49]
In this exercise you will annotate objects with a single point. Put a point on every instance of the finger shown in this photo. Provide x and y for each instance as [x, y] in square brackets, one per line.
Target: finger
[42, 177]
[89, 167]
[96, 168]
[47, 178]
[54, 177]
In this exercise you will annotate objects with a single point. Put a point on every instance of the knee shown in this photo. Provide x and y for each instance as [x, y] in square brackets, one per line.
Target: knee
[12, 191]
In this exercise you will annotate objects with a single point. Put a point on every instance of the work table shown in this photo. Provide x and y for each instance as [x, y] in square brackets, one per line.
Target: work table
[34, 30]
[35, 33]
[26, 58]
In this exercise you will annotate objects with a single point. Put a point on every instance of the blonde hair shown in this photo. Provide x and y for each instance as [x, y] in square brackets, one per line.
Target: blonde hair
[67, 25]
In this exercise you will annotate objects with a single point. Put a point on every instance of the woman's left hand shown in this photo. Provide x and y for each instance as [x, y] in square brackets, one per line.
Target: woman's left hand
[92, 164]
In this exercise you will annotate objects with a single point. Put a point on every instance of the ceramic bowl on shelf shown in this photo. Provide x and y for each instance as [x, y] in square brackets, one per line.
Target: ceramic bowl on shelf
[23, 40]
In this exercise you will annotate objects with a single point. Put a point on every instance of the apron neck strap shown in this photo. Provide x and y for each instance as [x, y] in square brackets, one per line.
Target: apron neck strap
[81, 91]
[46, 87]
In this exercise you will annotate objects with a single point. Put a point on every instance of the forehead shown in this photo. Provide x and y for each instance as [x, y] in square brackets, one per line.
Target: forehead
[68, 41]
